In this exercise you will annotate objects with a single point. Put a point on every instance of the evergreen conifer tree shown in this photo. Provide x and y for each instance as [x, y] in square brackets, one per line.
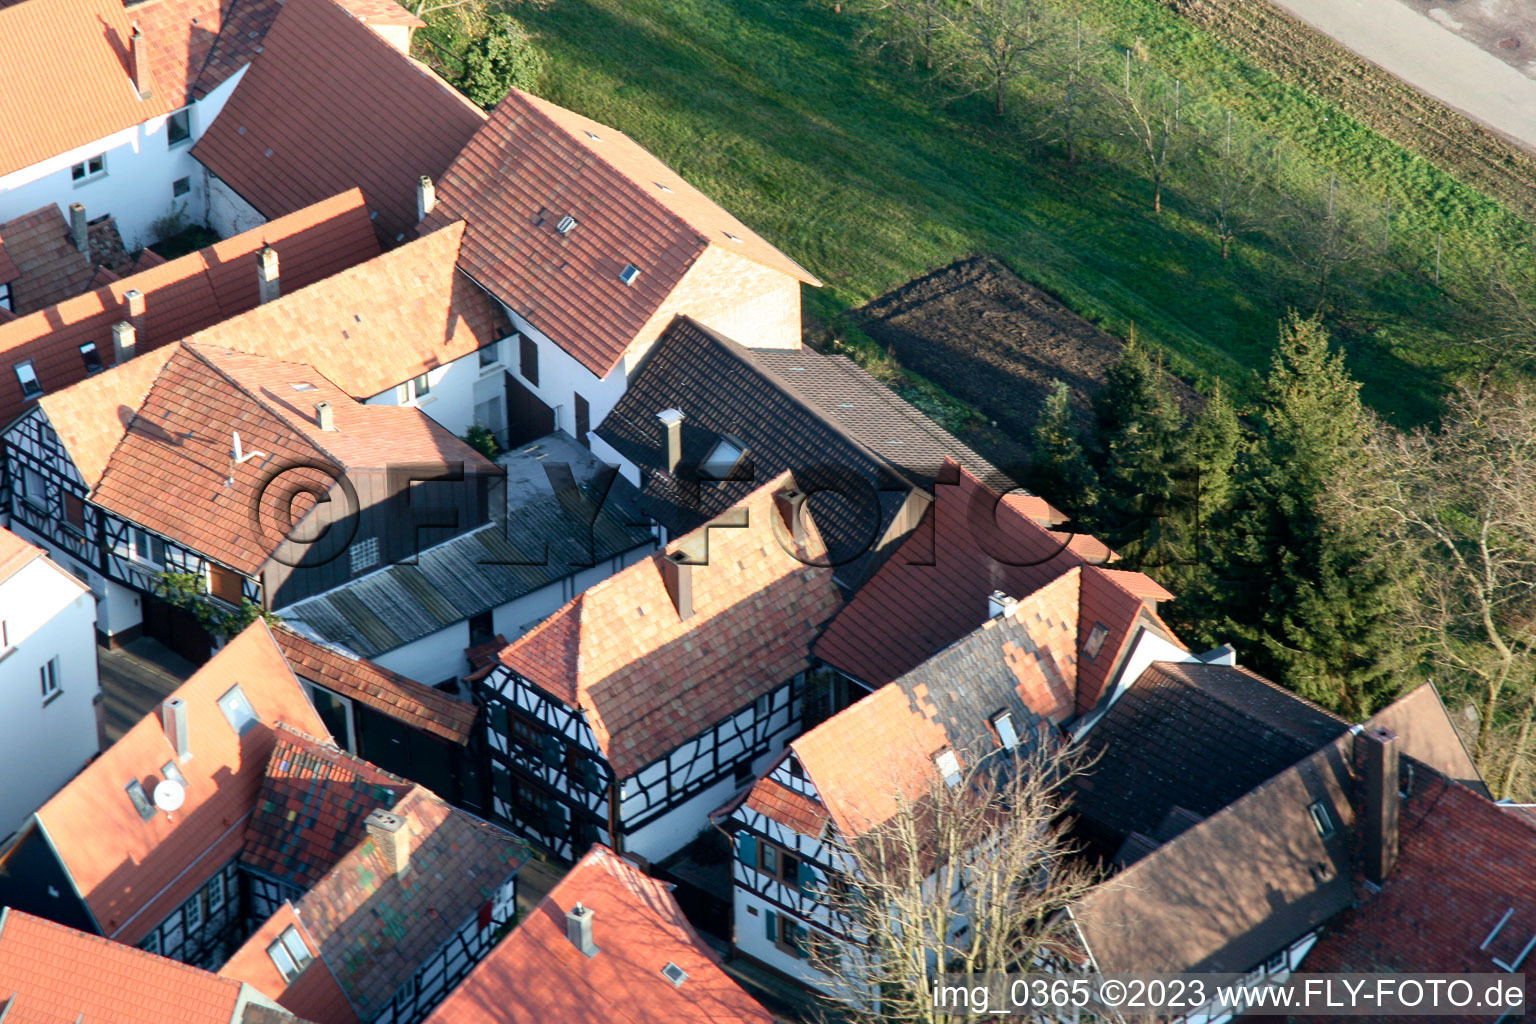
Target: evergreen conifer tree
[1059, 470]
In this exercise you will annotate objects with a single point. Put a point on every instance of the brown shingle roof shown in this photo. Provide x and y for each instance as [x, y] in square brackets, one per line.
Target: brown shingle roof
[48, 267]
[132, 871]
[414, 703]
[647, 680]
[536, 976]
[933, 589]
[184, 295]
[532, 164]
[311, 807]
[385, 120]
[64, 78]
[172, 471]
[51, 973]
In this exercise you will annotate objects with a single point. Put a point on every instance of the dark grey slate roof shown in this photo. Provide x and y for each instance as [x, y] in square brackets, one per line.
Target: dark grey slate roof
[876, 416]
[835, 427]
[474, 572]
[1193, 737]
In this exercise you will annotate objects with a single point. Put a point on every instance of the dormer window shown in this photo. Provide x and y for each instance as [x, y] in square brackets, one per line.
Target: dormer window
[722, 458]
[948, 764]
[567, 225]
[140, 800]
[27, 377]
[238, 711]
[92, 358]
[628, 274]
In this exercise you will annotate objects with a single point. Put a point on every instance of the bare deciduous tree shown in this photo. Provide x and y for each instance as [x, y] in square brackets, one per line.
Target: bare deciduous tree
[1328, 229]
[1231, 182]
[1462, 501]
[998, 40]
[967, 876]
[917, 29]
[1150, 113]
[1073, 71]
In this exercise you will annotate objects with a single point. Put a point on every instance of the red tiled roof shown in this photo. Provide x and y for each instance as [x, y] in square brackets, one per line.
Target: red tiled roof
[311, 807]
[1463, 863]
[52, 974]
[418, 705]
[1110, 598]
[649, 681]
[184, 295]
[172, 470]
[374, 930]
[376, 324]
[934, 588]
[195, 45]
[382, 12]
[132, 871]
[534, 163]
[386, 120]
[48, 268]
[64, 79]
[314, 995]
[796, 810]
[536, 976]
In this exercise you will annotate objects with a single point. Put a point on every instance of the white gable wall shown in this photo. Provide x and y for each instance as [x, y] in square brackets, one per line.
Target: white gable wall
[47, 614]
[140, 169]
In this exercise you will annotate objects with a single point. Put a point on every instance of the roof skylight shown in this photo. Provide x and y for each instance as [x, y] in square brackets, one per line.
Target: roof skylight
[629, 273]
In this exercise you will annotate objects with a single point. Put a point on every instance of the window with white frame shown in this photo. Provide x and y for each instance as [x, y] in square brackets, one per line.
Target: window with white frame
[49, 674]
[722, 458]
[26, 376]
[1006, 733]
[146, 547]
[5, 297]
[178, 127]
[490, 355]
[289, 954]
[237, 710]
[413, 390]
[89, 169]
[34, 488]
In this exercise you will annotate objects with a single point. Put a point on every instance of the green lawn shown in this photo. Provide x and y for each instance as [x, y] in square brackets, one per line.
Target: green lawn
[857, 171]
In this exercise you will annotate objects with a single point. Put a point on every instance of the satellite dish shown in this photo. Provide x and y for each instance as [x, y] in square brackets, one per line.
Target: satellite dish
[169, 795]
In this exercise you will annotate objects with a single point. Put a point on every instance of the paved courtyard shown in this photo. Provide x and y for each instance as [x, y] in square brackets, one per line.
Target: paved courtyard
[135, 678]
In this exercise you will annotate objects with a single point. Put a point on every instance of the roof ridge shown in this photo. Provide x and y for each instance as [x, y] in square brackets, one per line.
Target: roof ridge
[1270, 684]
[299, 435]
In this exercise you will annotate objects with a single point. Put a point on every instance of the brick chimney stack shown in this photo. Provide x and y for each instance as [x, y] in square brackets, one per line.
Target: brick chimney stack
[392, 839]
[139, 58]
[125, 342]
[79, 232]
[677, 574]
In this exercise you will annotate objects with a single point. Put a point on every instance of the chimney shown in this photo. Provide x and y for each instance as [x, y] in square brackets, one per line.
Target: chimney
[133, 304]
[173, 716]
[392, 838]
[140, 61]
[267, 284]
[125, 342]
[672, 424]
[426, 197]
[325, 416]
[78, 231]
[578, 928]
[790, 505]
[1381, 803]
[999, 603]
[677, 574]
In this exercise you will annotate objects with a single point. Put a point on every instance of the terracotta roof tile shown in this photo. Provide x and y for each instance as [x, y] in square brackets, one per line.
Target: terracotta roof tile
[182, 296]
[418, 705]
[386, 120]
[48, 267]
[64, 78]
[649, 681]
[373, 929]
[50, 973]
[133, 871]
[796, 810]
[934, 588]
[195, 45]
[535, 975]
[314, 994]
[311, 807]
[15, 554]
[381, 12]
[534, 163]
[172, 471]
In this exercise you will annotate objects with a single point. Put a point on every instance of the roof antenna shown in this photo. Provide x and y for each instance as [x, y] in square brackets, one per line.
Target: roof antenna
[239, 457]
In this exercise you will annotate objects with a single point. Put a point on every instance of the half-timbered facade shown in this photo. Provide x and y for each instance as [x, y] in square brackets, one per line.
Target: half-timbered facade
[638, 707]
[103, 855]
[418, 868]
[1012, 683]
